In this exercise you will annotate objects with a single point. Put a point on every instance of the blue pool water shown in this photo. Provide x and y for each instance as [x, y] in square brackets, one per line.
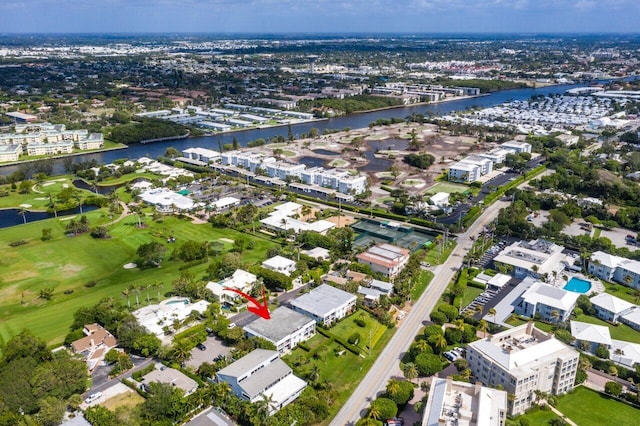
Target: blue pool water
[578, 285]
[175, 302]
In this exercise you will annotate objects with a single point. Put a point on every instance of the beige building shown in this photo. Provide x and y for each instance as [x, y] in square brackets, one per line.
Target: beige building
[522, 360]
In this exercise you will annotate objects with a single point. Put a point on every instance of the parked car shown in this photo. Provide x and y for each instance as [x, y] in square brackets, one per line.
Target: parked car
[201, 346]
[93, 397]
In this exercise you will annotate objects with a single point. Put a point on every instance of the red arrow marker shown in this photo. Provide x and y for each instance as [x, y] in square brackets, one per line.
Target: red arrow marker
[261, 309]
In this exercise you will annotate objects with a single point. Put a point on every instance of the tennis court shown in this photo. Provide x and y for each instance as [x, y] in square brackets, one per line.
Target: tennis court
[447, 187]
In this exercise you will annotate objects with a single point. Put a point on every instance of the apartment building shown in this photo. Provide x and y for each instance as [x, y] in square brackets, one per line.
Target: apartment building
[325, 304]
[285, 329]
[470, 169]
[549, 303]
[524, 359]
[260, 374]
[534, 258]
[615, 269]
[385, 258]
[464, 404]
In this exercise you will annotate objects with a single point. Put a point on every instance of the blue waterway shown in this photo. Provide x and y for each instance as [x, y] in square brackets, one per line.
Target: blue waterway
[353, 121]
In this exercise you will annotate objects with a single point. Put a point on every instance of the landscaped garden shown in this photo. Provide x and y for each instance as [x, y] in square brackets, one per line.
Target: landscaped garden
[588, 407]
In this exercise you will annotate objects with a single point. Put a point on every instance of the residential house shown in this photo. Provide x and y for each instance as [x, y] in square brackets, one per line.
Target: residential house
[631, 318]
[615, 269]
[155, 318]
[94, 345]
[239, 280]
[591, 334]
[280, 264]
[163, 374]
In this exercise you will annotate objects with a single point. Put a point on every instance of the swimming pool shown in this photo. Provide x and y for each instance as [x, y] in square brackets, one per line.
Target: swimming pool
[178, 301]
[578, 285]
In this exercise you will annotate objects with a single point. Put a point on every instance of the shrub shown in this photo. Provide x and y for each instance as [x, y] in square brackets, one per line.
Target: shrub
[430, 330]
[438, 317]
[90, 284]
[18, 243]
[602, 352]
[451, 312]
[354, 338]
[428, 364]
[360, 322]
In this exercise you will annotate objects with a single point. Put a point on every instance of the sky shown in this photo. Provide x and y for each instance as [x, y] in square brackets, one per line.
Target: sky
[320, 16]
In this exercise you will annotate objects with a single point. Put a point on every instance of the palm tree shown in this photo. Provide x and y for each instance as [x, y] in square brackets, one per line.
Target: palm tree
[393, 387]
[23, 212]
[493, 312]
[439, 342]
[181, 351]
[619, 352]
[410, 371]
[483, 326]
[374, 412]
[126, 293]
[158, 285]
[314, 373]
[134, 288]
[555, 315]
[144, 287]
[422, 345]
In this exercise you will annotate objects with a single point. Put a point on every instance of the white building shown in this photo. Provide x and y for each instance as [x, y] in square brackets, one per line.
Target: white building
[615, 269]
[283, 218]
[285, 329]
[166, 201]
[440, 200]
[325, 304]
[534, 258]
[631, 318]
[240, 280]
[201, 154]
[464, 404]
[551, 304]
[155, 317]
[470, 169]
[10, 152]
[517, 147]
[262, 374]
[594, 335]
[280, 264]
[225, 203]
[385, 258]
[610, 308]
[524, 359]
[496, 155]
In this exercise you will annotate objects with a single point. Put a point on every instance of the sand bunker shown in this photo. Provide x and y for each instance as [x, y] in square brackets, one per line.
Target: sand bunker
[130, 266]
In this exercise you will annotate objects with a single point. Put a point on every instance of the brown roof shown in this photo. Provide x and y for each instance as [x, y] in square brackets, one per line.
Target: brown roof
[97, 338]
[356, 276]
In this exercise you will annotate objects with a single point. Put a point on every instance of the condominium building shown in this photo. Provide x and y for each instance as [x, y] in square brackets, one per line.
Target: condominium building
[610, 308]
[464, 404]
[470, 169]
[50, 139]
[534, 258]
[262, 374]
[615, 268]
[385, 258]
[285, 329]
[10, 152]
[522, 360]
[547, 302]
[517, 147]
[325, 304]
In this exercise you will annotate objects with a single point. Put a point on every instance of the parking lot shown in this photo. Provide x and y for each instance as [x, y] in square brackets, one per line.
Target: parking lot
[215, 347]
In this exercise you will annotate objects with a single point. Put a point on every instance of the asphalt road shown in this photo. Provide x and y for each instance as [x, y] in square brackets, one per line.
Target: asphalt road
[387, 365]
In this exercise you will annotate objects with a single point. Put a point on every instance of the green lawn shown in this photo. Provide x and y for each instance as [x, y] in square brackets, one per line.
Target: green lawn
[38, 199]
[446, 187]
[345, 371]
[587, 407]
[434, 256]
[68, 263]
[470, 293]
[622, 291]
[127, 178]
[373, 329]
[619, 332]
[421, 285]
[535, 416]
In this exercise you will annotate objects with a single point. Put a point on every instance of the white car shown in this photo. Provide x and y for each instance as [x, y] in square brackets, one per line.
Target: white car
[93, 397]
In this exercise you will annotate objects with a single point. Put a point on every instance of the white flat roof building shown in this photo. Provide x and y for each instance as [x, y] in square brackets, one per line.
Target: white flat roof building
[262, 373]
[167, 201]
[516, 146]
[464, 404]
[285, 329]
[155, 317]
[524, 359]
[280, 264]
[240, 280]
[534, 258]
[325, 304]
[224, 203]
[201, 154]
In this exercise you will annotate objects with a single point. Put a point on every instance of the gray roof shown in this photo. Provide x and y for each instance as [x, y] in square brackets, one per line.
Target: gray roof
[248, 362]
[255, 384]
[211, 417]
[381, 285]
[322, 300]
[283, 322]
[171, 376]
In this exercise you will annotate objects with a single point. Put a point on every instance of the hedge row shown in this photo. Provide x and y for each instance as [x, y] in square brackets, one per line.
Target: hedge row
[351, 348]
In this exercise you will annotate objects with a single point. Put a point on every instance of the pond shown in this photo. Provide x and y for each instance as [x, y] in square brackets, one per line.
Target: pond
[381, 164]
[325, 152]
[311, 161]
[13, 217]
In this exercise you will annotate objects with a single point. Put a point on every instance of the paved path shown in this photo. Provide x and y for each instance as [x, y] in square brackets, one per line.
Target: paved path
[125, 212]
[562, 416]
[388, 363]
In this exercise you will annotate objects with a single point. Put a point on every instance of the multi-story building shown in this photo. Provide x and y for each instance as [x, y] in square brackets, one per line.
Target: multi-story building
[615, 268]
[549, 303]
[470, 169]
[522, 360]
[325, 304]
[285, 329]
[240, 280]
[610, 308]
[517, 147]
[50, 139]
[464, 404]
[385, 258]
[10, 152]
[262, 374]
[534, 258]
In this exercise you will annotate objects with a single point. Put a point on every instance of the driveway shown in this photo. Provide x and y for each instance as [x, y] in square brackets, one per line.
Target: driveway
[215, 346]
